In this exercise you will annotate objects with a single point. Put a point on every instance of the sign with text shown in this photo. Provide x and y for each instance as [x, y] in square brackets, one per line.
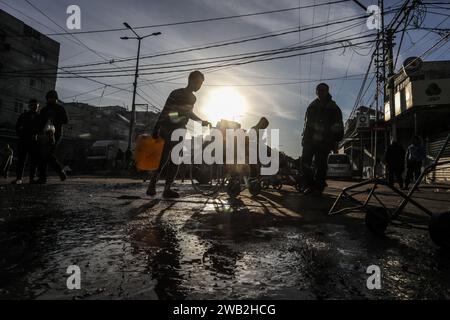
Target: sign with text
[429, 92]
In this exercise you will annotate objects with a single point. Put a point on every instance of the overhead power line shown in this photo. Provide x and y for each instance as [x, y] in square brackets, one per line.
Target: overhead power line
[220, 44]
[216, 45]
[234, 63]
[201, 20]
[214, 59]
[348, 77]
[77, 40]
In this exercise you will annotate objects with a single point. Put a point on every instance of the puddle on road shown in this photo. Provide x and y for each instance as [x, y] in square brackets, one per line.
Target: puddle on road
[133, 247]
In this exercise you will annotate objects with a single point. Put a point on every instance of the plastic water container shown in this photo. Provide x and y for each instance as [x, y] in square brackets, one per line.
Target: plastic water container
[148, 152]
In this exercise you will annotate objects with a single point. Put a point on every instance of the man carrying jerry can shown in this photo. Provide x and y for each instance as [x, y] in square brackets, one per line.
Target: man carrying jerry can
[175, 115]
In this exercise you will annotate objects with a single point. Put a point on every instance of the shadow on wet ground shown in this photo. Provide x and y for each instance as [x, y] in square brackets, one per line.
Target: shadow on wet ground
[278, 245]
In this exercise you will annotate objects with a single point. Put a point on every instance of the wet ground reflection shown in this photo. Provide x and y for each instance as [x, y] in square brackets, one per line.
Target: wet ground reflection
[276, 245]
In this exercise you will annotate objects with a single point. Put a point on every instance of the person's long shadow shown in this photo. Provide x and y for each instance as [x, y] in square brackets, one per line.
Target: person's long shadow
[314, 210]
[159, 240]
[166, 262]
[233, 221]
[307, 208]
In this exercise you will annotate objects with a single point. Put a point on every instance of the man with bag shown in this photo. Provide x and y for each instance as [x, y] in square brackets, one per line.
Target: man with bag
[51, 120]
[175, 115]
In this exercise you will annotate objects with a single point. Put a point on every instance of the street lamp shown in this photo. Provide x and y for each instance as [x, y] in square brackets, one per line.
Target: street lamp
[133, 104]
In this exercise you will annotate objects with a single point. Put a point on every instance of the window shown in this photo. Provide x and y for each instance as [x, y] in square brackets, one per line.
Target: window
[37, 83]
[30, 32]
[39, 56]
[18, 106]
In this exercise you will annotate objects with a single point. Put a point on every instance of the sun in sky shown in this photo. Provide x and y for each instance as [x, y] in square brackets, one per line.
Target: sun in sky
[224, 103]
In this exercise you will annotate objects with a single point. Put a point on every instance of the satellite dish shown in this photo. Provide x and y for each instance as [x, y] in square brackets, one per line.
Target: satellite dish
[412, 64]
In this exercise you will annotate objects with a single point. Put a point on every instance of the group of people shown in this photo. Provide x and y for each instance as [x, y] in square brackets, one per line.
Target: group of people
[323, 130]
[39, 132]
[396, 157]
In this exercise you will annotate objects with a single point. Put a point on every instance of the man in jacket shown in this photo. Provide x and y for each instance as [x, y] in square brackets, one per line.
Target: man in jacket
[322, 131]
[395, 163]
[52, 117]
[415, 154]
[26, 128]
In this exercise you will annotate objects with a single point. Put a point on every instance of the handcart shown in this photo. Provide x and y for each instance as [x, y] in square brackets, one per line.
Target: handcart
[378, 218]
[210, 179]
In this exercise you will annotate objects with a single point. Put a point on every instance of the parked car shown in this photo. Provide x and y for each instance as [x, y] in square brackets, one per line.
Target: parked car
[102, 153]
[339, 166]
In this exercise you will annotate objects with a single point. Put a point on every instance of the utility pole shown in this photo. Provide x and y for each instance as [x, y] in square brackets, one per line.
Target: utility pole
[390, 80]
[380, 79]
[136, 74]
[407, 7]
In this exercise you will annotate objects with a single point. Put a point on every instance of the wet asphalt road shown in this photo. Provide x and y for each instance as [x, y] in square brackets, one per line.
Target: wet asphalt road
[278, 245]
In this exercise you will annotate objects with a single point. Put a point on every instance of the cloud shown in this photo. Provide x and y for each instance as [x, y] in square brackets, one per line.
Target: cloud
[285, 105]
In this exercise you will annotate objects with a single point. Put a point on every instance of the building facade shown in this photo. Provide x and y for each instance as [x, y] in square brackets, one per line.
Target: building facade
[365, 142]
[422, 108]
[24, 49]
[88, 124]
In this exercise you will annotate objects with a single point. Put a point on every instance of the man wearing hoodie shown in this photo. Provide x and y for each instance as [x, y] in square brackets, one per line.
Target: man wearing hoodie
[322, 131]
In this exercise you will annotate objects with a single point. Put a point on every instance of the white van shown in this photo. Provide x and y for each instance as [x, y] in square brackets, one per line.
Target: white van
[102, 153]
[339, 166]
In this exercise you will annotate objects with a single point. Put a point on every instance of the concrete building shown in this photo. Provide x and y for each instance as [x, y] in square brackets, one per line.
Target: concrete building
[95, 123]
[422, 107]
[359, 141]
[88, 124]
[23, 48]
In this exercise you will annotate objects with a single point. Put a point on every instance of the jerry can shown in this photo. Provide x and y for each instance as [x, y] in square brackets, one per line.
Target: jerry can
[148, 152]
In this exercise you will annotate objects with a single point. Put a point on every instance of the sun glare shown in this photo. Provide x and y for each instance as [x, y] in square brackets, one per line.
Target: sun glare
[224, 103]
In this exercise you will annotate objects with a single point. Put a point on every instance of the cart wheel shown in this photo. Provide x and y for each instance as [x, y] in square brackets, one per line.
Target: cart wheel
[233, 188]
[206, 180]
[265, 184]
[377, 220]
[440, 229]
[254, 187]
[278, 186]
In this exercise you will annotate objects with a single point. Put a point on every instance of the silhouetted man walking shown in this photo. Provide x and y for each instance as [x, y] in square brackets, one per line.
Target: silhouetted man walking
[395, 163]
[175, 115]
[27, 129]
[52, 117]
[415, 154]
[323, 130]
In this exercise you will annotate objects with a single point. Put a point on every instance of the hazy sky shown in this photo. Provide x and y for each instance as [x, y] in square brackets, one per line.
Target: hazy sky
[267, 88]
